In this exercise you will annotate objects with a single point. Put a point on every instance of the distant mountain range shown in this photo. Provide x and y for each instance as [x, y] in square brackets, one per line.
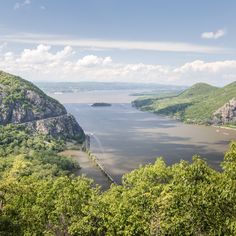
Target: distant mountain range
[73, 87]
[201, 104]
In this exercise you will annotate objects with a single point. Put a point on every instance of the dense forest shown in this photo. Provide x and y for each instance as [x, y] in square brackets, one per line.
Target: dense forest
[40, 195]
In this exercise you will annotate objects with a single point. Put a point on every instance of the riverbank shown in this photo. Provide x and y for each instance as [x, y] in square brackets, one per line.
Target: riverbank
[188, 122]
[199, 104]
[224, 127]
[88, 167]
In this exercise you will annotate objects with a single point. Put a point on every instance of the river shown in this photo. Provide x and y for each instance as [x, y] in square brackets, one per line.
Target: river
[123, 138]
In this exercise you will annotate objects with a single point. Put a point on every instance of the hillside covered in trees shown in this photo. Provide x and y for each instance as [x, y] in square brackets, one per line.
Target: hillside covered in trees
[201, 104]
[21, 102]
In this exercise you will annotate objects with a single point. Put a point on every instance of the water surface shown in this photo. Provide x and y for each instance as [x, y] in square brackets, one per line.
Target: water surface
[123, 137]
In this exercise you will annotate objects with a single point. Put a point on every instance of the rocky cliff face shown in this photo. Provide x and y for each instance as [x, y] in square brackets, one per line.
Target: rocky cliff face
[226, 113]
[21, 102]
[64, 126]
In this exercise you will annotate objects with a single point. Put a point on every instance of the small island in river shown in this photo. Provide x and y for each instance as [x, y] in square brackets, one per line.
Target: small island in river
[101, 104]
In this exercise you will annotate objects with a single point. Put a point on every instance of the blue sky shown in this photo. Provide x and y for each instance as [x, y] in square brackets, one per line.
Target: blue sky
[163, 41]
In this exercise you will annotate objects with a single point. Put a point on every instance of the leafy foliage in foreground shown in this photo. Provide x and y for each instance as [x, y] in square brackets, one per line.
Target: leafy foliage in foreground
[24, 154]
[195, 105]
[182, 199]
[17, 139]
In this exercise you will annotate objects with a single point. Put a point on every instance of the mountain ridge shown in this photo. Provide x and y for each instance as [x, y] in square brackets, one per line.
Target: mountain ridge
[21, 102]
[197, 104]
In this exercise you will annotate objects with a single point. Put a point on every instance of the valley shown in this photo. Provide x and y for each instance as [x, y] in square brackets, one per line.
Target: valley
[135, 162]
[123, 137]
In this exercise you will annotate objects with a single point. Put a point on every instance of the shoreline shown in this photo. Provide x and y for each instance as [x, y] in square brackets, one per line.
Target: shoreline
[93, 158]
[224, 127]
[187, 123]
[90, 167]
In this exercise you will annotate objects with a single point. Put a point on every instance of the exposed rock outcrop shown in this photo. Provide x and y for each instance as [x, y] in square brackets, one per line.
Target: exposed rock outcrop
[21, 102]
[64, 126]
[226, 113]
[25, 102]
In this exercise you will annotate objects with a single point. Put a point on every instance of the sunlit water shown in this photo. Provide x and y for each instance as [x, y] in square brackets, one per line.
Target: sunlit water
[123, 137]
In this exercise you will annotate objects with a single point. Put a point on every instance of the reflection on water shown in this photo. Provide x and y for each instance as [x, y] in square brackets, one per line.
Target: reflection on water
[123, 137]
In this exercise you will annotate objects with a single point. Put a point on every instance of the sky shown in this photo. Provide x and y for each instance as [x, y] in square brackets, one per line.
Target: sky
[159, 41]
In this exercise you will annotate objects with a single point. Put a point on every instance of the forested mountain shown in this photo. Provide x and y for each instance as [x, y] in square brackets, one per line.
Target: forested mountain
[201, 103]
[21, 102]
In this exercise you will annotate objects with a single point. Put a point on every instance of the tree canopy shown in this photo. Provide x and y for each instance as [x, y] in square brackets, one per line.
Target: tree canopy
[40, 195]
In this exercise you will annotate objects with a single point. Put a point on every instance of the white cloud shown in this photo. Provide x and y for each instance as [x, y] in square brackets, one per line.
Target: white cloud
[214, 35]
[208, 67]
[92, 44]
[42, 8]
[44, 64]
[19, 5]
[42, 55]
[92, 60]
[3, 46]
[216, 72]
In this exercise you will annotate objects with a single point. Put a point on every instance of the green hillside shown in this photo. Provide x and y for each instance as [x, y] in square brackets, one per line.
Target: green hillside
[199, 89]
[195, 105]
[16, 92]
